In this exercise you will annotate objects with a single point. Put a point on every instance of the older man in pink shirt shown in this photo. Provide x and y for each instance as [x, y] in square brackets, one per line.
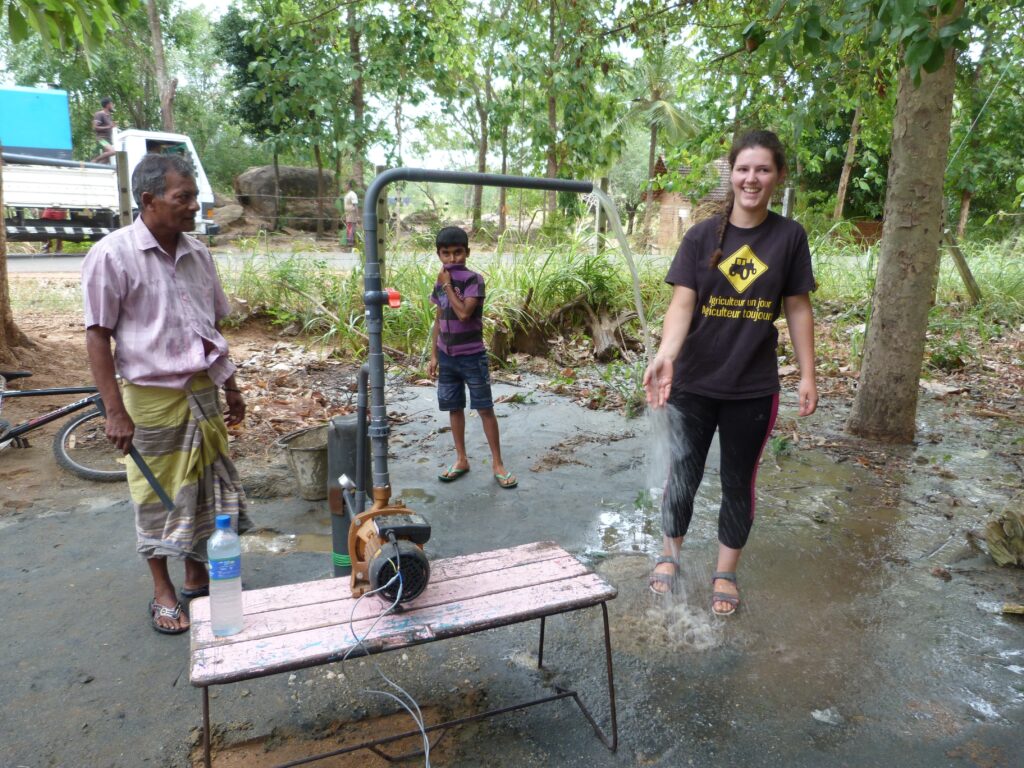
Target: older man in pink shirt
[154, 290]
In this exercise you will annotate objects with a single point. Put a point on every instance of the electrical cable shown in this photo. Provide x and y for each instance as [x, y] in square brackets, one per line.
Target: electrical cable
[416, 715]
[980, 111]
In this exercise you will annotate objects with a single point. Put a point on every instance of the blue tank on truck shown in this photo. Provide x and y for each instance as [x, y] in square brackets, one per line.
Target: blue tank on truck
[35, 121]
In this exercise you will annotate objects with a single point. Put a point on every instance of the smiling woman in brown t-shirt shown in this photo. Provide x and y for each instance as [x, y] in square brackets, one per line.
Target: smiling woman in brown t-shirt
[716, 365]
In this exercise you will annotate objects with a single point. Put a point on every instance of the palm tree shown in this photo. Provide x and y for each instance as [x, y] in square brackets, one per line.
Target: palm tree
[654, 77]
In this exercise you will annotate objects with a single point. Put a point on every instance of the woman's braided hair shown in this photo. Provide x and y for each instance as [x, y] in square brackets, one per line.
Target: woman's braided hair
[764, 139]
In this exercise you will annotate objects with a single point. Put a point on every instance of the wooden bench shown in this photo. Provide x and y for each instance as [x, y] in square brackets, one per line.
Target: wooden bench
[298, 626]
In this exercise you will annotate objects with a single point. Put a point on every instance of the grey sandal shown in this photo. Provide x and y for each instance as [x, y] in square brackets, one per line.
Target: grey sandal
[668, 579]
[724, 597]
[158, 611]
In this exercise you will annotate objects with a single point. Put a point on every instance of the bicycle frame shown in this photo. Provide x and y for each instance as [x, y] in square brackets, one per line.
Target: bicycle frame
[15, 432]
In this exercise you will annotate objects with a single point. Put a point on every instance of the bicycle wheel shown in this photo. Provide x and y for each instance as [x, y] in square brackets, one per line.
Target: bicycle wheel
[81, 447]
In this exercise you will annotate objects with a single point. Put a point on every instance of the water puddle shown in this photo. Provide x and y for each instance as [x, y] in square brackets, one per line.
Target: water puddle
[414, 495]
[269, 542]
[861, 595]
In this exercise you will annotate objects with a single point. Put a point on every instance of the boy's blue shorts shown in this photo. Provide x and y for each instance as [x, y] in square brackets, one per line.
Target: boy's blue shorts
[457, 373]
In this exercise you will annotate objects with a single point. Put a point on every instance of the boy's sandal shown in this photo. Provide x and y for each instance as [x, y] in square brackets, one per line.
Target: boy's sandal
[508, 480]
[724, 597]
[452, 474]
[668, 579]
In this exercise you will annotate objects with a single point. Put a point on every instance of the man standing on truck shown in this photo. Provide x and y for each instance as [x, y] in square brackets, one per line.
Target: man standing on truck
[103, 125]
[154, 290]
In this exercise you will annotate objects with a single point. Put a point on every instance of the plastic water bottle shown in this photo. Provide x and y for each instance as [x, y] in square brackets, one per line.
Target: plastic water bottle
[225, 554]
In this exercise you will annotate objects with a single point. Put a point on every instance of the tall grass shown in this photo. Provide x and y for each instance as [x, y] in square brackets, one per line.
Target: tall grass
[957, 330]
[45, 294]
[536, 280]
[521, 280]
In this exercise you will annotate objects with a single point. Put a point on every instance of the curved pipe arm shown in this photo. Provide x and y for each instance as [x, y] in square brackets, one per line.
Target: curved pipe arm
[375, 295]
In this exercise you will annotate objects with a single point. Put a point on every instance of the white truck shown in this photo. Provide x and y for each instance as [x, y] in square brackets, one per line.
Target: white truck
[41, 183]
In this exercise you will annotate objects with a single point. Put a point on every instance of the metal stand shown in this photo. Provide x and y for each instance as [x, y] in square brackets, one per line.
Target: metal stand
[611, 741]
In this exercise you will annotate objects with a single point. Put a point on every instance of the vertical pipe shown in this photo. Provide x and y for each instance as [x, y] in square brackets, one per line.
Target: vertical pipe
[124, 195]
[360, 495]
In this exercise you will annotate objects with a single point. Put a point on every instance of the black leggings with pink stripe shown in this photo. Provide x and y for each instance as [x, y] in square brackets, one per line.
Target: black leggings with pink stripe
[743, 429]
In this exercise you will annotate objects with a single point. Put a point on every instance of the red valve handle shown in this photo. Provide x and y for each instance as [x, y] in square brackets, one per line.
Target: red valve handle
[394, 298]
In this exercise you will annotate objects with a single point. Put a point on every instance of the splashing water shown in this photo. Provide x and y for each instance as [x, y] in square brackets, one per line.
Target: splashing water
[675, 624]
[613, 218]
[677, 620]
[673, 619]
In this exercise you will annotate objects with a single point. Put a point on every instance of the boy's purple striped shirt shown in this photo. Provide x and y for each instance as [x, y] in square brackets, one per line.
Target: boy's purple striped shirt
[460, 337]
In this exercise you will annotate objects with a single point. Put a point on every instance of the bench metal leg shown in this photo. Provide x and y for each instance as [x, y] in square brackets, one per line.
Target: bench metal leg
[610, 741]
[540, 649]
[206, 726]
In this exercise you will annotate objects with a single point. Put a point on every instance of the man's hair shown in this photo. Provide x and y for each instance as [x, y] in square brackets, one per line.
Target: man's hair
[106, 100]
[452, 236]
[150, 175]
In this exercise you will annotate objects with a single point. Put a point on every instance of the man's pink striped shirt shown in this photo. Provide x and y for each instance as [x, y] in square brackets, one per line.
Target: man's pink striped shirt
[159, 309]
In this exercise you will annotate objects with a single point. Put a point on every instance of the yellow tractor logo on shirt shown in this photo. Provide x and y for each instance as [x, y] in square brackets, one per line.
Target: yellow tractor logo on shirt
[742, 268]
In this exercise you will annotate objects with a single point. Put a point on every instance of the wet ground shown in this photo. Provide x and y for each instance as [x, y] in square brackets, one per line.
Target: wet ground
[870, 632]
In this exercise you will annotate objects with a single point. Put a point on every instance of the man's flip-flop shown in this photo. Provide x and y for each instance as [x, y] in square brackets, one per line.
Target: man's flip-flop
[452, 474]
[158, 611]
[508, 480]
[192, 594]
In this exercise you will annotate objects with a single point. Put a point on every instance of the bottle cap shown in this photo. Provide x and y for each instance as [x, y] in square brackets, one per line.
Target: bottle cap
[224, 521]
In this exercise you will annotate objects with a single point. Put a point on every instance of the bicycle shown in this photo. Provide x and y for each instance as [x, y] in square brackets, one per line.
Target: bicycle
[80, 446]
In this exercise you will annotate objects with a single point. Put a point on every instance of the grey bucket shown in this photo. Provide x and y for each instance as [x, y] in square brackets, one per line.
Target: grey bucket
[306, 450]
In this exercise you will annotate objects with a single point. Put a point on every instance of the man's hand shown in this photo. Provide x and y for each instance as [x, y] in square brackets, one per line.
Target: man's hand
[444, 277]
[235, 407]
[120, 430]
[432, 367]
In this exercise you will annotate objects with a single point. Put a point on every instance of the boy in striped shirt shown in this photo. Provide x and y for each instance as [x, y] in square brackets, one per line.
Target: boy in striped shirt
[458, 357]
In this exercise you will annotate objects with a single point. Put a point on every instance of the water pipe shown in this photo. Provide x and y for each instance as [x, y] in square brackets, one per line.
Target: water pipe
[375, 296]
[18, 159]
[361, 403]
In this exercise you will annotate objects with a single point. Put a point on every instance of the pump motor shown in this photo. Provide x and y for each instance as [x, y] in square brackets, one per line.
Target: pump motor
[386, 542]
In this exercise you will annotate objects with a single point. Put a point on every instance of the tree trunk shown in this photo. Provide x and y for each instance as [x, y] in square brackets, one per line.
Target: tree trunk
[167, 86]
[277, 192]
[844, 177]
[649, 203]
[965, 210]
[482, 112]
[319, 191]
[552, 102]
[972, 141]
[10, 335]
[885, 407]
[502, 191]
[358, 99]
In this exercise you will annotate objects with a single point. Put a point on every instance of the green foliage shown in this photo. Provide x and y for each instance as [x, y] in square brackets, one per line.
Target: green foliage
[627, 381]
[780, 446]
[64, 24]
